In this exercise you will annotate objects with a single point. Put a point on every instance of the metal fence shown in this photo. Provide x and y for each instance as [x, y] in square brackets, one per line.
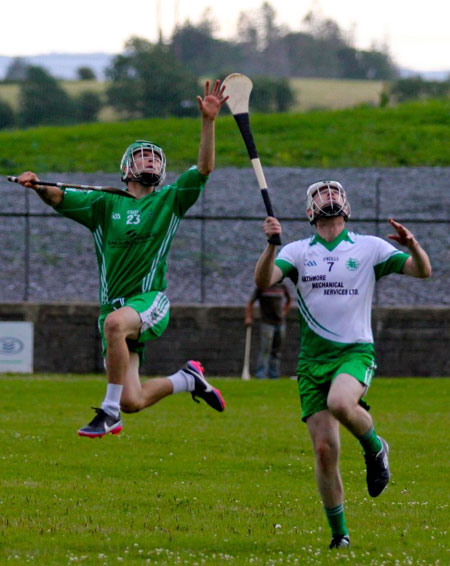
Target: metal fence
[45, 257]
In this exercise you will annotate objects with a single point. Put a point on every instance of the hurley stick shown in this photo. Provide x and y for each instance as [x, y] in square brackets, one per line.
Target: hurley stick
[113, 190]
[238, 89]
[248, 342]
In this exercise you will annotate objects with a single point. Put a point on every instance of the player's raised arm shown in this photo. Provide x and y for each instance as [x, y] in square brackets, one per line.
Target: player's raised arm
[209, 107]
[50, 195]
[418, 265]
[266, 272]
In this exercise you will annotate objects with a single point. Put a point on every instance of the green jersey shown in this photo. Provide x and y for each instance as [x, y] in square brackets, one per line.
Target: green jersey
[133, 237]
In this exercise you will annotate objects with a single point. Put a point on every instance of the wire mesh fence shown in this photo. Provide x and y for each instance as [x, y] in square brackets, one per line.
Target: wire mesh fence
[45, 257]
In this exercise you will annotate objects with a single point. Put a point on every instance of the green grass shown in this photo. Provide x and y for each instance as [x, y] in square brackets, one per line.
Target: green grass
[185, 485]
[414, 134]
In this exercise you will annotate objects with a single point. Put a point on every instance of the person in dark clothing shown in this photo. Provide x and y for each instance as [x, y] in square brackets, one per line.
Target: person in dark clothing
[274, 304]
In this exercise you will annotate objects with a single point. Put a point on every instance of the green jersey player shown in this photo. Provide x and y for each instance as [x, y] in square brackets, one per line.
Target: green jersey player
[132, 240]
[335, 272]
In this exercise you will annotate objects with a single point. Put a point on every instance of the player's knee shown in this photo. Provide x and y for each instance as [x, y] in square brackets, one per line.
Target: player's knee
[326, 454]
[338, 406]
[113, 326]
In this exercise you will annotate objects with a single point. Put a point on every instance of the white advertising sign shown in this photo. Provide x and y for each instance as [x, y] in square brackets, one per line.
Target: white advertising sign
[16, 347]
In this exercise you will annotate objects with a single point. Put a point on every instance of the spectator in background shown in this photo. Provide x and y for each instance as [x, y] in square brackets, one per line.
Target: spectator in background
[274, 304]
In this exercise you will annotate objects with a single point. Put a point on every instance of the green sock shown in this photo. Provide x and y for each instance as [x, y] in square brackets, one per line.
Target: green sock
[336, 519]
[370, 442]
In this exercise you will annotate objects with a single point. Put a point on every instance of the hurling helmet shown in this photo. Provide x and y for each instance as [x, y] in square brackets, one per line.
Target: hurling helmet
[150, 176]
[326, 199]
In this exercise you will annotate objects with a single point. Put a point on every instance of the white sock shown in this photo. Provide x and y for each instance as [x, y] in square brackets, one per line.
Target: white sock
[182, 381]
[111, 403]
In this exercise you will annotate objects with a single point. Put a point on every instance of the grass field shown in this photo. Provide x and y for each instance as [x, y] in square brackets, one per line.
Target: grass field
[185, 485]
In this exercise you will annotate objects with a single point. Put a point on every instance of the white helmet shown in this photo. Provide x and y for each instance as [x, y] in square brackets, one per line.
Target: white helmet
[326, 199]
[130, 171]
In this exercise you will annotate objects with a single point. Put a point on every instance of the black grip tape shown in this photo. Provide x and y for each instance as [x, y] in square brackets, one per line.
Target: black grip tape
[275, 238]
[243, 122]
[266, 199]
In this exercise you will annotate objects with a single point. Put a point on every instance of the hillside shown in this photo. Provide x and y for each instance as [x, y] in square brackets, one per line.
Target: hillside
[310, 94]
[334, 94]
[413, 134]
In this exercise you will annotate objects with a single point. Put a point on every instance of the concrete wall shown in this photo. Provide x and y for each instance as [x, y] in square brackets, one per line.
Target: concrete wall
[213, 255]
[409, 341]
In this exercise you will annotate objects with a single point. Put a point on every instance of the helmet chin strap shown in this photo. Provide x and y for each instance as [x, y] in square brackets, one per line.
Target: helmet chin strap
[329, 211]
[146, 179]
[149, 179]
[332, 209]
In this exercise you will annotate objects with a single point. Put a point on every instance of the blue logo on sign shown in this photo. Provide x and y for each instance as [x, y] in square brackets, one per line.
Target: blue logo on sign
[9, 345]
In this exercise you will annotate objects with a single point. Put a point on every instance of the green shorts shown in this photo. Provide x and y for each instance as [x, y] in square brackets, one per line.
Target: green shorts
[314, 379]
[154, 311]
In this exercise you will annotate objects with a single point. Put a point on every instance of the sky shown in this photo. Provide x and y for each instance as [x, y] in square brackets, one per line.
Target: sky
[417, 33]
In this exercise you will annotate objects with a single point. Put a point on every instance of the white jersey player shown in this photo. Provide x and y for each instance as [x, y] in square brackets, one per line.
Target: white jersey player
[335, 273]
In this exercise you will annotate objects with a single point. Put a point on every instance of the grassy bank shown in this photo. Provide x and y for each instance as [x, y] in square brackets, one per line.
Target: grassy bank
[414, 134]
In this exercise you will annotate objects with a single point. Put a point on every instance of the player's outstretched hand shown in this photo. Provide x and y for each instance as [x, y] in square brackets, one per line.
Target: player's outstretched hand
[403, 236]
[211, 103]
[271, 226]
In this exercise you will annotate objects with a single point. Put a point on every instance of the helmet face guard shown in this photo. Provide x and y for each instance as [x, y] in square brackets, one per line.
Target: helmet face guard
[133, 168]
[326, 199]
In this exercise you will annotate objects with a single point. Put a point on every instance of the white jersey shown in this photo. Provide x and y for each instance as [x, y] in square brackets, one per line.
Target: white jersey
[335, 283]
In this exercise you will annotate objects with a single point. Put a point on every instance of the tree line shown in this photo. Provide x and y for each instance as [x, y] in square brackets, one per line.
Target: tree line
[162, 79]
[261, 47]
